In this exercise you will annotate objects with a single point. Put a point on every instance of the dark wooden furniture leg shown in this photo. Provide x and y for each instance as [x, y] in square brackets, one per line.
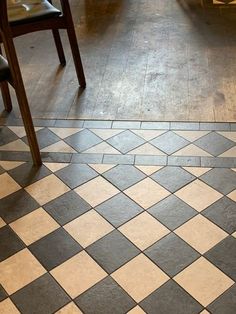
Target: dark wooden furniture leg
[6, 96]
[60, 51]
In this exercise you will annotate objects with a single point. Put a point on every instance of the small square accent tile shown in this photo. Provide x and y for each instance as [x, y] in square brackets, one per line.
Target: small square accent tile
[76, 174]
[140, 277]
[169, 142]
[226, 303]
[70, 308]
[8, 185]
[55, 248]
[34, 226]
[96, 191]
[7, 307]
[147, 193]
[67, 207]
[172, 178]
[88, 228]
[221, 179]
[203, 281]
[119, 209]
[201, 233]
[170, 299]
[172, 254]
[10, 243]
[43, 191]
[123, 176]
[112, 251]
[144, 230]
[223, 214]
[105, 297]
[172, 212]
[44, 295]
[125, 141]
[83, 140]
[74, 277]
[190, 195]
[15, 272]
[223, 255]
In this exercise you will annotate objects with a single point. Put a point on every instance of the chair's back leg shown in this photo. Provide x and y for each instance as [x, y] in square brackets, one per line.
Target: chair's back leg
[60, 51]
[6, 96]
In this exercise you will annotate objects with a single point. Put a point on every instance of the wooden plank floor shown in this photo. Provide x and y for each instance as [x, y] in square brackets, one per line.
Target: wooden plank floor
[144, 60]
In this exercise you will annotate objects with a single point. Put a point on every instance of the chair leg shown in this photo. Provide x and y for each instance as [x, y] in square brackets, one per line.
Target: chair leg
[60, 51]
[6, 96]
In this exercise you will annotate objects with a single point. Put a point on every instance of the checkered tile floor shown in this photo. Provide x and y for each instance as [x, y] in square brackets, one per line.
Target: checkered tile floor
[97, 237]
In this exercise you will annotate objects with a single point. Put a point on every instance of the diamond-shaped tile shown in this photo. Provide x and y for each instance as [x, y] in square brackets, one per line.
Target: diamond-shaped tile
[96, 191]
[191, 135]
[7, 306]
[44, 191]
[172, 254]
[226, 303]
[106, 133]
[112, 251]
[2, 223]
[191, 150]
[8, 185]
[214, 143]
[123, 176]
[221, 179]
[3, 295]
[119, 209]
[125, 141]
[223, 255]
[140, 277]
[229, 153]
[67, 207]
[70, 308]
[10, 243]
[83, 140]
[74, 277]
[6, 136]
[201, 233]
[232, 195]
[101, 168]
[15, 146]
[172, 212]
[222, 213]
[148, 170]
[55, 166]
[147, 193]
[147, 149]
[65, 132]
[172, 178]
[44, 295]
[136, 310]
[88, 228]
[148, 135]
[34, 226]
[190, 194]
[169, 142]
[58, 147]
[143, 230]
[76, 174]
[230, 135]
[203, 281]
[15, 272]
[20, 130]
[45, 138]
[170, 299]
[197, 171]
[8, 165]
[102, 148]
[105, 297]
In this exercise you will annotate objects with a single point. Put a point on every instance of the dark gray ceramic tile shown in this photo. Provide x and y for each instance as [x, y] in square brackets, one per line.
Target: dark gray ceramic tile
[170, 299]
[45, 138]
[17, 205]
[56, 157]
[10, 243]
[44, 122]
[6, 136]
[118, 159]
[225, 304]
[184, 161]
[223, 180]
[96, 124]
[150, 160]
[218, 162]
[223, 213]
[106, 297]
[55, 248]
[223, 255]
[18, 156]
[173, 178]
[172, 212]
[3, 294]
[125, 141]
[172, 254]
[83, 140]
[67, 207]
[87, 158]
[184, 125]
[76, 174]
[126, 125]
[112, 251]
[119, 209]
[155, 125]
[214, 126]
[214, 143]
[27, 173]
[169, 142]
[69, 123]
[42, 296]
[123, 176]
[233, 126]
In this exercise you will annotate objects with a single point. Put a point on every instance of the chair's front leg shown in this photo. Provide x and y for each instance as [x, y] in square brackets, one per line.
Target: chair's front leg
[6, 96]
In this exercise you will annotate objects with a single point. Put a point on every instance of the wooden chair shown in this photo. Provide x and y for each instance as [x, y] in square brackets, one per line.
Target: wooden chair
[27, 16]
[10, 73]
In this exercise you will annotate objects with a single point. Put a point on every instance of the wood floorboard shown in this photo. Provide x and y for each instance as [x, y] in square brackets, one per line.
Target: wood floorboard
[171, 60]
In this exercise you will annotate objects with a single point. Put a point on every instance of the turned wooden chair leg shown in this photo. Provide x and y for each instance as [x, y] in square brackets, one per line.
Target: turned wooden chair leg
[60, 51]
[6, 96]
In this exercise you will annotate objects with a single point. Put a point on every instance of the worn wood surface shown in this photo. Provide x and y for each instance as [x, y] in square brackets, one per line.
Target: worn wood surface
[148, 60]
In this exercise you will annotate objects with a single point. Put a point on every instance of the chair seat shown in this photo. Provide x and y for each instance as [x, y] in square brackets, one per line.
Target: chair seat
[5, 73]
[26, 11]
